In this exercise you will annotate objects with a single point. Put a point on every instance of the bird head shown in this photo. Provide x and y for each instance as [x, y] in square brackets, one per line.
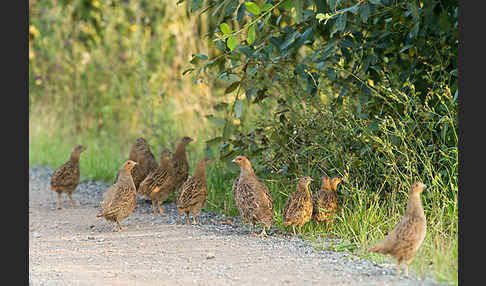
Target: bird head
[417, 187]
[186, 139]
[335, 181]
[305, 180]
[129, 164]
[79, 149]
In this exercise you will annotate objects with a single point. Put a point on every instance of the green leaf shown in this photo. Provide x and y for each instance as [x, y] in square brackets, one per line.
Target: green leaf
[341, 22]
[288, 4]
[187, 71]
[231, 43]
[232, 87]
[253, 8]
[364, 12]
[299, 10]
[196, 5]
[228, 128]
[238, 108]
[266, 6]
[251, 35]
[225, 28]
[230, 8]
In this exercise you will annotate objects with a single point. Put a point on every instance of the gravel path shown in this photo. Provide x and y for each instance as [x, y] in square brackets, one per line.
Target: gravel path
[72, 247]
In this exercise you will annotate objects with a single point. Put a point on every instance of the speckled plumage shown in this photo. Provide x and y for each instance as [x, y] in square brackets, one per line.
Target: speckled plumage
[65, 178]
[326, 200]
[120, 200]
[252, 197]
[140, 153]
[298, 207]
[194, 192]
[407, 236]
[179, 161]
[159, 183]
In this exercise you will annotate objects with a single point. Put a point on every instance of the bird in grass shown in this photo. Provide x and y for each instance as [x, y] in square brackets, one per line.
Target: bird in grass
[140, 153]
[65, 178]
[252, 197]
[298, 208]
[407, 236]
[120, 199]
[159, 183]
[179, 161]
[194, 192]
[326, 200]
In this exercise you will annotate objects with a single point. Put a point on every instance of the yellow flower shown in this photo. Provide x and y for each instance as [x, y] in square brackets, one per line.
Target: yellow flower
[371, 83]
[38, 81]
[96, 4]
[133, 28]
[33, 30]
[31, 54]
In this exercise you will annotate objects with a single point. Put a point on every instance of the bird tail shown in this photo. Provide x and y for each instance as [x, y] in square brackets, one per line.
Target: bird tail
[379, 247]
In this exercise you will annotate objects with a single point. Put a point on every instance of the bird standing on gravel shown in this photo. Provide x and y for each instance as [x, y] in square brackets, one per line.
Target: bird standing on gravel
[326, 200]
[179, 161]
[407, 236]
[65, 178]
[252, 197]
[140, 153]
[298, 208]
[194, 192]
[159, 183]
[120, 200]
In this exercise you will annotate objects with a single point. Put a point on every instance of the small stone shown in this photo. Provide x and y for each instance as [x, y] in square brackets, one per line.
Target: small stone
[91, 237]
[210, 255]
[36, 235]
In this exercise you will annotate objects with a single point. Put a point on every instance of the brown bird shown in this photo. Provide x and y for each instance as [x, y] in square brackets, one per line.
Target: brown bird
[140, 153]
[326, 200]
[179, 161]
[407, 236]
[252, 197]
[159, 183]
[298, 208]
[194, 192]
[65, 178]
[120, 200]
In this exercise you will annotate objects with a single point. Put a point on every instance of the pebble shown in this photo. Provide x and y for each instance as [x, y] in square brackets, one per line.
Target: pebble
[210, 255]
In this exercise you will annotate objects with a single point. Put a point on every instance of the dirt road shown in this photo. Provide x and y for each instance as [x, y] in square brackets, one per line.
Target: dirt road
[72, 247]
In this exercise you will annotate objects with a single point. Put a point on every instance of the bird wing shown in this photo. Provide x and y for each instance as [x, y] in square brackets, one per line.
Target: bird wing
[192, 192]
[65, 175]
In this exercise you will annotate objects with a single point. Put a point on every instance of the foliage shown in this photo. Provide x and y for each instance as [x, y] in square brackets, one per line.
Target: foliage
[364, 89]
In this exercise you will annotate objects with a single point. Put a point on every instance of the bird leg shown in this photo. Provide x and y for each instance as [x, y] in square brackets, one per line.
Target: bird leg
[187, 217]
[293, 228]
[153, 207]
[58, 200]
[398, 267]
[71, 198]
[406, 269]
[161, 211]
[263, 233]
[117, 226]
[193, 219]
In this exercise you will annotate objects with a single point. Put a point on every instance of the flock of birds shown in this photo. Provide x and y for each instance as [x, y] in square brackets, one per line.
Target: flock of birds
[141, 175]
